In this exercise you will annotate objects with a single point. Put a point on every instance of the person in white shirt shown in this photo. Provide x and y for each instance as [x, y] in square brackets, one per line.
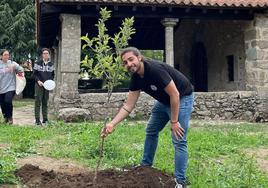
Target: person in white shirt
[8, 71]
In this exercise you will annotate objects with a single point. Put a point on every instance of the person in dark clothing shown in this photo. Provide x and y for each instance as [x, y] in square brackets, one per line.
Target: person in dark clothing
[174, 102]
[43, 70]
[8, 71]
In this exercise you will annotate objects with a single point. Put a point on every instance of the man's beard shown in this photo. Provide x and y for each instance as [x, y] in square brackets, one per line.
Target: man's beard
[137, 68]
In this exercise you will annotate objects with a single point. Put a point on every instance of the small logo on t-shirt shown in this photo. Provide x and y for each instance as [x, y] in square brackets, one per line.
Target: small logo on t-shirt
[153, 87]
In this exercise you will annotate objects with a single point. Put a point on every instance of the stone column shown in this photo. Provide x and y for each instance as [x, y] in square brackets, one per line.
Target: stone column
[69, 60]
[54, 57]
[256, 64]
[169, 24]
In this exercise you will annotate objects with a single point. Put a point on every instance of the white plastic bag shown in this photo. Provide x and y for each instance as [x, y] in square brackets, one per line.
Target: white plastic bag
[20, 84]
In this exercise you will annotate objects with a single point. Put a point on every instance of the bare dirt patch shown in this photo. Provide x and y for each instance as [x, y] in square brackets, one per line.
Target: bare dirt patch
[135, 177]
[23, 115]
[48, 164]
[3, 145]
[261, 156]
[45, 172]
[9, 186]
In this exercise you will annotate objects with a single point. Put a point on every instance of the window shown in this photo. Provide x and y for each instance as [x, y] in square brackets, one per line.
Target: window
[230, 66]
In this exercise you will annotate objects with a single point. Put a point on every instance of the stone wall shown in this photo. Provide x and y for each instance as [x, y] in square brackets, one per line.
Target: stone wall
[95, 102]
[240, 105]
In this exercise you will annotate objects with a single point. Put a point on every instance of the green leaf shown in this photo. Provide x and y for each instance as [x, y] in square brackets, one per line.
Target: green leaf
[105, 49]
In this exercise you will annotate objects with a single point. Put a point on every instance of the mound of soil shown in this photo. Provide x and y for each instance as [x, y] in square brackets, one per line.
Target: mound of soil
[138, 177]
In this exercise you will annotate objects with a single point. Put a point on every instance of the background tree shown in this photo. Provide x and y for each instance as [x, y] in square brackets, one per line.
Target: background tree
[17, 28]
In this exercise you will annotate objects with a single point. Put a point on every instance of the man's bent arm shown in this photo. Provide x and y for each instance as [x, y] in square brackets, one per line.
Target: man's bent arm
[127, 107]
[174, 101]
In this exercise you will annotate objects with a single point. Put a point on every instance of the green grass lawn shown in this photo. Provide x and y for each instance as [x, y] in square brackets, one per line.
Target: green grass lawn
[218, 153]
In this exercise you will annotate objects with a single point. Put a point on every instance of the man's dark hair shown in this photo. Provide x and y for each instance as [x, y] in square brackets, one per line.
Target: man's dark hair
[135, 51]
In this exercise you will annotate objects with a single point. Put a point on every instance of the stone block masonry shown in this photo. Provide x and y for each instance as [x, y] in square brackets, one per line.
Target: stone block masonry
[238, 105]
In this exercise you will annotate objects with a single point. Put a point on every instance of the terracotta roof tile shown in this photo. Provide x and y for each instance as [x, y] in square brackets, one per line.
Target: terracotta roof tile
[213, 3]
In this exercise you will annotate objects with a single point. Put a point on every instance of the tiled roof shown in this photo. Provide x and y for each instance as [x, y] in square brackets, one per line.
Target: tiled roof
[212, 3]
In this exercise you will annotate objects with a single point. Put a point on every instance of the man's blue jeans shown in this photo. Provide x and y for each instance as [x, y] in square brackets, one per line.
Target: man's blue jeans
[159, 118]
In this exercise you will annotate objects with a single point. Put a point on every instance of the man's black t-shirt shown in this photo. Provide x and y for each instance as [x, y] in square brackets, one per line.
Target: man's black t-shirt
[157, 76]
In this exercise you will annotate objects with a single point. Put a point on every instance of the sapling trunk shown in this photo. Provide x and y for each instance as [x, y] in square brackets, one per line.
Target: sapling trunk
[101, 146]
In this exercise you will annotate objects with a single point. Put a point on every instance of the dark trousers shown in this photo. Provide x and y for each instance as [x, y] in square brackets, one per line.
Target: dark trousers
[41, 100]
[6, 104]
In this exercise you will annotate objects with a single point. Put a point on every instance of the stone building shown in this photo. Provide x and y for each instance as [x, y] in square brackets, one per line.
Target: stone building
[221, 45]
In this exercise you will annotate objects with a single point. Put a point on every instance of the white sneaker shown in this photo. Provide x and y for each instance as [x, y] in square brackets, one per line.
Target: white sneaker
[178, 185]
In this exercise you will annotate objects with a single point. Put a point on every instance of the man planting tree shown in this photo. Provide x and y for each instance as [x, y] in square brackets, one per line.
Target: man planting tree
[174, 102]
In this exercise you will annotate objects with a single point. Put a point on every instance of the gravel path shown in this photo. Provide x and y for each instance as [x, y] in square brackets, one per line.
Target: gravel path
[24, 115]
